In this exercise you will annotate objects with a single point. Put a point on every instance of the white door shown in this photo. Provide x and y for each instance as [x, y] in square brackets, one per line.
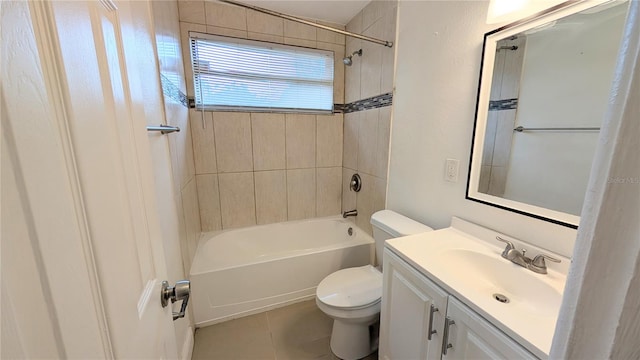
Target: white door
[411, 307]
[91, 119]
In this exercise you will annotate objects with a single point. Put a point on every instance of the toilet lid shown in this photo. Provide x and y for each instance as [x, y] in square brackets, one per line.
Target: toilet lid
[353, 287]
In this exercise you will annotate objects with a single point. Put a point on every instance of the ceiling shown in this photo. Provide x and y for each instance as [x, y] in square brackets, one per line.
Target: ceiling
[335, 11]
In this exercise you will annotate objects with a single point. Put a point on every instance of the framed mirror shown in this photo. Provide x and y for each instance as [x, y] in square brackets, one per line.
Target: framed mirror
[544, 90]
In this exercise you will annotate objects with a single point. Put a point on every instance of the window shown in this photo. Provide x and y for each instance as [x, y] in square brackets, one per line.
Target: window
[244, 75]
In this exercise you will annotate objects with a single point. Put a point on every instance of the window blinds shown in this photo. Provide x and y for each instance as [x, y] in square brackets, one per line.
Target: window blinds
[238, 74]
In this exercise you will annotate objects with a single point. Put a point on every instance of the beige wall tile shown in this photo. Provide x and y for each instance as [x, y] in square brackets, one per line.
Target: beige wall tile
[217, 30]
[352, 73]
[329, 140]
[264, 24]
[371, 70]
[237, 200]
[186, 52]
[330, 36]
[191, 214]
[209, 199]
[350, 143]
[180, 145]
[382, 147]
[485, 177]
[191, 11]
[379, 194]
[301, 42]
[266, 37]
[233, 141]
[498, 180]
[271, 196]
[301, 193]
[371, 13]
[204, 146]
[365, 202]
[348, 196]
[489, 138]
[182, 232]
[268, 133]
[329, 191]
[298, 30]
[388, 54]
[223, 15]
[355, 25]
[504, 135]
[367, 141]
[301, 141]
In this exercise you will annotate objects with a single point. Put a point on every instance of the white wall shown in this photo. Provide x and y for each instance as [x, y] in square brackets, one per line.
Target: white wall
[437, 70]
[571, 93]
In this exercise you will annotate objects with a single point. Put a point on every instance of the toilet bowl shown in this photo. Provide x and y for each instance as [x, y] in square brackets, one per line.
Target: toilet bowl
[351, 297]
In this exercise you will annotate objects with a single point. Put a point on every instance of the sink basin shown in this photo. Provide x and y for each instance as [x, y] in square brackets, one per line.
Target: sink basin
[490, 274]
[464, 260]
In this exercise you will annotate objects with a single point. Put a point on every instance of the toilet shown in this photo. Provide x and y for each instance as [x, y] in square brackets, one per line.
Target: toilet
[351, 297]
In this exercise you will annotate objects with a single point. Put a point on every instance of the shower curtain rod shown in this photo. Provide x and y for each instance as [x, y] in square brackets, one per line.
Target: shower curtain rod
[303, 21]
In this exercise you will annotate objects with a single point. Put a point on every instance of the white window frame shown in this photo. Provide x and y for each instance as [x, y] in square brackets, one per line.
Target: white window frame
[240, 108]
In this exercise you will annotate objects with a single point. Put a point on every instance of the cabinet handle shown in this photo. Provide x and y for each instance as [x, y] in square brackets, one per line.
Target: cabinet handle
[445, 342]
[431, 312]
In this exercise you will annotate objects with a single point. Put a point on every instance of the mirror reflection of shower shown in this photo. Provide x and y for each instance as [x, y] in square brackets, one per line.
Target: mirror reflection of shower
[348, 59]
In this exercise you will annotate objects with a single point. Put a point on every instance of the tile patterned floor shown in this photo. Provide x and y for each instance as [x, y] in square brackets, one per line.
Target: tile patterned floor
[296, 332]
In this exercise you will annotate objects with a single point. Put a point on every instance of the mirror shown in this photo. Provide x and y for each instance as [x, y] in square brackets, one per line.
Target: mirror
[544, 90]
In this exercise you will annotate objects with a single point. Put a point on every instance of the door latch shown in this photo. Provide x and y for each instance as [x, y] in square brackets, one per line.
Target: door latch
[180, 291]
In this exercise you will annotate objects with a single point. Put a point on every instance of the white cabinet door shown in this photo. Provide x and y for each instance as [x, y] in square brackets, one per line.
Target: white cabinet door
[406, 314]
[472, 337]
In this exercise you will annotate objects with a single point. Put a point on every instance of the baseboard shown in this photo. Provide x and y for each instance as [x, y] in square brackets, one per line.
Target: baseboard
[187, 345]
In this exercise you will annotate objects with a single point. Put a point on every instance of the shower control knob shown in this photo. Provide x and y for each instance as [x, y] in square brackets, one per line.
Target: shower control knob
[180, 291]
[356, 183]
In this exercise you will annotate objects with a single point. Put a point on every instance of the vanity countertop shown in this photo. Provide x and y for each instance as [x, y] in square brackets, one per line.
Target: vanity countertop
[465, 261]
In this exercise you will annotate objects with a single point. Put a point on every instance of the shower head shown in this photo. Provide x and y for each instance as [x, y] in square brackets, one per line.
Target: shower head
[348, 60]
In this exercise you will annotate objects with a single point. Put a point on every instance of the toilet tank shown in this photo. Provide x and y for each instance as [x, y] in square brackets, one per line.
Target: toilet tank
[388, 224]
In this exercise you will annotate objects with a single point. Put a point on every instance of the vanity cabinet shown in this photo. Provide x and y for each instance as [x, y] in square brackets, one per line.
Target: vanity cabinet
[411, 305]
[407, 317]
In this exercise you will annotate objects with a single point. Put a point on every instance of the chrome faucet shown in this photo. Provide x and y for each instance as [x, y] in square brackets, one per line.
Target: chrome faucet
[537, 264]
[350, 213]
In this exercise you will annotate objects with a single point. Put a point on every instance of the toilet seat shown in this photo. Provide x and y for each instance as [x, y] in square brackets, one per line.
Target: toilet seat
[353, 288]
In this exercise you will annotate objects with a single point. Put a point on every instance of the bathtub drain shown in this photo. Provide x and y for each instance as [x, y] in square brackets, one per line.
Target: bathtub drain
[501, 298]
[350, 231]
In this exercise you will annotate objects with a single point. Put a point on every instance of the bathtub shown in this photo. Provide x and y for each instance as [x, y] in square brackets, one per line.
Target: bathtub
[245, 271]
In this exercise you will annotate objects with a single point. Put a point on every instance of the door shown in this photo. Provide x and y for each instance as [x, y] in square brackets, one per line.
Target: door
[412, 306]
[89, 98]
[472, 337]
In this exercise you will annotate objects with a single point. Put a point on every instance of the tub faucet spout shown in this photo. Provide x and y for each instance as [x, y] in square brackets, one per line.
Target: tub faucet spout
[350, 213]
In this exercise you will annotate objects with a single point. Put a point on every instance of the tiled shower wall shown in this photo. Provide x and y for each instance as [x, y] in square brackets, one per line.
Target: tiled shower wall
[366, 133]
[259, 168]
[501, 119]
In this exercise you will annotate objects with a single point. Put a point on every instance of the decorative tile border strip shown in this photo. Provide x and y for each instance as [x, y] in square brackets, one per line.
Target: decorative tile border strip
[366, 104]
[170, 90]
[507, 104]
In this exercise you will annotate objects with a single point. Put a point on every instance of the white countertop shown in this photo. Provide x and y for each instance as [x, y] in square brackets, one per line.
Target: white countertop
[530, 323]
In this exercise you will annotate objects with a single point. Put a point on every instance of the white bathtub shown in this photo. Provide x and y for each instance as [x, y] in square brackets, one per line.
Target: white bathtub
[245, 271]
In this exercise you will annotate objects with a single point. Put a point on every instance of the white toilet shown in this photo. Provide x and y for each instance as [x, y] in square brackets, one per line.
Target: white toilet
[351, 297]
